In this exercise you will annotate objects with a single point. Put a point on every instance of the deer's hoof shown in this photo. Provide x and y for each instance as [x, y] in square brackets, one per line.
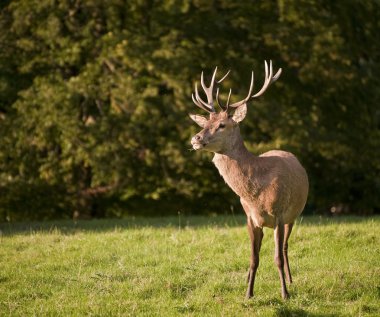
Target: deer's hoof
[249, 294]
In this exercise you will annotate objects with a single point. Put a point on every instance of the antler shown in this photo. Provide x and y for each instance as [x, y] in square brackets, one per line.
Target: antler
[269, 79]
[209, 105]
[224, 108]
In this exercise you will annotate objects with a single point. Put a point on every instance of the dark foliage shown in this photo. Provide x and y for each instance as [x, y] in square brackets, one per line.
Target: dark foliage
[94, 97]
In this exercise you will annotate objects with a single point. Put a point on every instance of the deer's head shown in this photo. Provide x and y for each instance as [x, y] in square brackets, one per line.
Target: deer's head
[221, 128]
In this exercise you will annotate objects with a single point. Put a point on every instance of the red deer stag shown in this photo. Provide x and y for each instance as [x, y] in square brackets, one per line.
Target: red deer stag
[272, 187]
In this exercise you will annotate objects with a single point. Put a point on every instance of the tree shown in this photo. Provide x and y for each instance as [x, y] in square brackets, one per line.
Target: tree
[94, 99]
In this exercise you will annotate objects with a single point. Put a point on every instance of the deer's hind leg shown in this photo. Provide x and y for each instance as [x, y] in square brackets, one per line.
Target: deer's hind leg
[287, 231]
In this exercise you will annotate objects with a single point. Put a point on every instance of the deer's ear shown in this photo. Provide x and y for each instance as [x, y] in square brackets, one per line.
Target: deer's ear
[240, 113]
[200, 120]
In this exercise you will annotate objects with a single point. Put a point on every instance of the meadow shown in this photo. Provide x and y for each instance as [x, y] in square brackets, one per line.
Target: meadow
[191, 266]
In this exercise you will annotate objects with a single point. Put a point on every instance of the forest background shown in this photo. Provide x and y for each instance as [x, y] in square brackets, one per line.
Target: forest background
[95, 96]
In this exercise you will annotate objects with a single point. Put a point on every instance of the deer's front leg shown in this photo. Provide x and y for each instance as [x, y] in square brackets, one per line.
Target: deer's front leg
[279, 255]
[256, 236]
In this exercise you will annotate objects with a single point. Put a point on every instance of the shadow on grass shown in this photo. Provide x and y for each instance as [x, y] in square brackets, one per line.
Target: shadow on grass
[283, 310]
[289, 312]
[179, 222]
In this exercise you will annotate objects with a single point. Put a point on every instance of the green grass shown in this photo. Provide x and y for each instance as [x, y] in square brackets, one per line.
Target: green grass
[160, 267]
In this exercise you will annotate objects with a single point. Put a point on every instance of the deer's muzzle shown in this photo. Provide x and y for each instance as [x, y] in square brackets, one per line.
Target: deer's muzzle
[198, 142]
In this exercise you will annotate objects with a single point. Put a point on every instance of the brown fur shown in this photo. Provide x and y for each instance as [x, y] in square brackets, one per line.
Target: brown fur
[272, 187]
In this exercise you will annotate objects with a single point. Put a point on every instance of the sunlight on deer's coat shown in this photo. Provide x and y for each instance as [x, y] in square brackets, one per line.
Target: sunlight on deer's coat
[272, 187]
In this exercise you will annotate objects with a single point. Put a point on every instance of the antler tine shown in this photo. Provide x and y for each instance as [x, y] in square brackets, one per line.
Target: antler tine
[217, 99]
[250, 87]
[229, 97]
[268, 79]
[277, 76]
[224, 77]
[210, 108]
[239, 103]
[209, 90]
[224, 108]
[199, 104]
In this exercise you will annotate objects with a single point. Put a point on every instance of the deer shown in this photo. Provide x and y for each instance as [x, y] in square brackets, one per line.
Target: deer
[273, 187]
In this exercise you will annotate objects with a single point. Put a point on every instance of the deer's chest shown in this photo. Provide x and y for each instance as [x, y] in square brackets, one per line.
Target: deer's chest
[254, 191]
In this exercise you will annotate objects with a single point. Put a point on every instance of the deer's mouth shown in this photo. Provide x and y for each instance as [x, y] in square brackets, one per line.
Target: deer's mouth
[198, 145]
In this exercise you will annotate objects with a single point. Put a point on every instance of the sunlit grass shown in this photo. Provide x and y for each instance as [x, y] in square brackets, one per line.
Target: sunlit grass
[189, 266]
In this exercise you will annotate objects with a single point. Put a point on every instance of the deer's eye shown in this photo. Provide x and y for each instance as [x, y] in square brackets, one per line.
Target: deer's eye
[221, 126]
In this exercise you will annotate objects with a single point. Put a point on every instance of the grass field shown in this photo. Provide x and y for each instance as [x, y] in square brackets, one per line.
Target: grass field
[192, 266]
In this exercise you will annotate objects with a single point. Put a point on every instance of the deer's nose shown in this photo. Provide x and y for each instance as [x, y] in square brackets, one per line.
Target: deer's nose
[198, 137]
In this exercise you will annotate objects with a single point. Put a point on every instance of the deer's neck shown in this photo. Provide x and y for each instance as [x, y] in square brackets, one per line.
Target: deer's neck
[238, 167]
[234, 150]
